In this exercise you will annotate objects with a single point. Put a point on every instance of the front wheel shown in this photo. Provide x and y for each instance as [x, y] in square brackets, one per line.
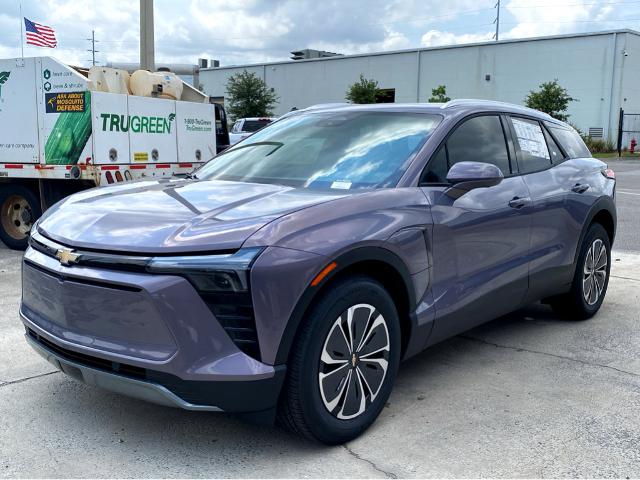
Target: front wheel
[591, 278]
[19, 209]
[343, 363]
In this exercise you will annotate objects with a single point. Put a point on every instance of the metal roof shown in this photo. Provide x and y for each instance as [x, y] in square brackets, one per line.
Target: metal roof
[426, 49]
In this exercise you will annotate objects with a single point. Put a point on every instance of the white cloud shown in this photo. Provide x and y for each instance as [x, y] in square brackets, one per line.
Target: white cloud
[534, 18]
[552, 18]
[434, 38]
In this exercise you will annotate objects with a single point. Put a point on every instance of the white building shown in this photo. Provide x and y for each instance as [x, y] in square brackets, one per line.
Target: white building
[601, 70]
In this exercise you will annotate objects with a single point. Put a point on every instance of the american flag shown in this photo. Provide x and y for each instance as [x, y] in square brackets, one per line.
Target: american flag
[39, 35]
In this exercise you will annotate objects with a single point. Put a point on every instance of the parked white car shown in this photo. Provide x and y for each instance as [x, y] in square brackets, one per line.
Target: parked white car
[246, 126]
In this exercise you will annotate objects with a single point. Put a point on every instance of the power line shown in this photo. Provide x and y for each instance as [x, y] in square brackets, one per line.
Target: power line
[574, 21]
[602, 4]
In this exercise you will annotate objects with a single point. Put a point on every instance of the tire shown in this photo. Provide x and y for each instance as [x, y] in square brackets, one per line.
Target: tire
[309, 404]
[19, 209]
[590, 280]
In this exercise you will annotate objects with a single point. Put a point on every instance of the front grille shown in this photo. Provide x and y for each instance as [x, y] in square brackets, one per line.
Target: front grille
[234, 312]
[83, 281]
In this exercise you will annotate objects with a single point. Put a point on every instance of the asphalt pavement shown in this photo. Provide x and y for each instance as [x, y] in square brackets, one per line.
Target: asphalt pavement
[628, 203]
[527, 395]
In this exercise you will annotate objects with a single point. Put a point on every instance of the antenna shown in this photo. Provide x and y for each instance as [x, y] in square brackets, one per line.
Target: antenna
[93, 47]
[497, 21]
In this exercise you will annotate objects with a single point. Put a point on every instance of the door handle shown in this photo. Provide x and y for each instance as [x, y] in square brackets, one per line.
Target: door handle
[518, 202]
[580, 187]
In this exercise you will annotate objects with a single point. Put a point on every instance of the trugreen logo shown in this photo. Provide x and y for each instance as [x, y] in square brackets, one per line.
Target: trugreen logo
[136, 123]
[4, 76]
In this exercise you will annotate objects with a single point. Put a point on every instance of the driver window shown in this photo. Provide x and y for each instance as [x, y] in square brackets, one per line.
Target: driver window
[479, 139]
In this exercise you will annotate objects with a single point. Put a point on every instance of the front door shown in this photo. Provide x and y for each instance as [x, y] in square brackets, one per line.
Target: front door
[481, 239]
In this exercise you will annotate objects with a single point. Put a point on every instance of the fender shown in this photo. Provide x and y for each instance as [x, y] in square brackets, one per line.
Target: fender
[602, 204]
[343, 261]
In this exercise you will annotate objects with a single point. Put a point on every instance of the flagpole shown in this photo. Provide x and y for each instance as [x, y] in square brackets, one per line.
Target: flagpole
[21, 31]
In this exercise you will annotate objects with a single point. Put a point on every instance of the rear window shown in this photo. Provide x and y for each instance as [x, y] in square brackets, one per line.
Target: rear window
[255, 125]
[570, 141]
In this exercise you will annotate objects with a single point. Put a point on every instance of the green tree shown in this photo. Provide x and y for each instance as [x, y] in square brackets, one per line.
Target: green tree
[551, 98]
[439, 95]
[249, 96]
[363, 91]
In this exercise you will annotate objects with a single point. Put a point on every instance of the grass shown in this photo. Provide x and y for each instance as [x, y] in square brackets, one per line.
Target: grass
[615, 155]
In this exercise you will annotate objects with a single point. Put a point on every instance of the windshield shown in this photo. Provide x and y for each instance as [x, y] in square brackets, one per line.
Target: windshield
[254, 125]
[339, 150]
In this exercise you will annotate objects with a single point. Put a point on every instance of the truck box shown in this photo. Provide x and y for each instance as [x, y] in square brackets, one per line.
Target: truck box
[59, 135]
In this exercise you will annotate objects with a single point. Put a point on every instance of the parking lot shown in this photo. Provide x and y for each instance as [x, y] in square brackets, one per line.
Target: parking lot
[527, 395]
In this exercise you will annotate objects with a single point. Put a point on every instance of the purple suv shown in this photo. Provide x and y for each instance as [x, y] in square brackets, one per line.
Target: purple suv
[290, 275]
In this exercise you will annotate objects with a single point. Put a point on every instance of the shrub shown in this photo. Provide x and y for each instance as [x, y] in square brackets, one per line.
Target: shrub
[365, 90]
[598, 145]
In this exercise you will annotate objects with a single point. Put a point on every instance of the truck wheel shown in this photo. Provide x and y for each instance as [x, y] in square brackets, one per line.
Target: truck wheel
[19, 209]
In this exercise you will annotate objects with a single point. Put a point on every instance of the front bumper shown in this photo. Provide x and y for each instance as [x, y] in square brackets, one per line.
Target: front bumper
[145, 336]
[140, 389]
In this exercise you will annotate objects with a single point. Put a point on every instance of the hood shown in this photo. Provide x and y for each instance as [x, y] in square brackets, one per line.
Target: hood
[166, 216]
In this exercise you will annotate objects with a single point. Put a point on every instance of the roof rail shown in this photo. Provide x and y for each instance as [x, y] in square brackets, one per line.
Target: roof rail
[319, 106]
[470, 101]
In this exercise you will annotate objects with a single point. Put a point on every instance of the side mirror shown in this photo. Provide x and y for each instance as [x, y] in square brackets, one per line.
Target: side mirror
[465, 176]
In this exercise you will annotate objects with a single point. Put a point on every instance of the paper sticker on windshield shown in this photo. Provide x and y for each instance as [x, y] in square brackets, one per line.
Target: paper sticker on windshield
[341, 185]
[530, 138]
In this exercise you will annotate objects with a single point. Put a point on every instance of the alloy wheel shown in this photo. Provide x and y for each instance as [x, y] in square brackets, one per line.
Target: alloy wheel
[354, 361]
[594, 272]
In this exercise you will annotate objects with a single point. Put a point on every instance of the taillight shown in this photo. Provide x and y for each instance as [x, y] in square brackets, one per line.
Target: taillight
[609, 173]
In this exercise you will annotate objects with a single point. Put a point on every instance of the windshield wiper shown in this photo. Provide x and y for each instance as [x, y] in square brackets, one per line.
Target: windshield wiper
[277, 145]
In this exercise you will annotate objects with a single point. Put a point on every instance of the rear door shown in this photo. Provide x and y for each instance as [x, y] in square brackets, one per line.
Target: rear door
[550, 179]
[481, 239]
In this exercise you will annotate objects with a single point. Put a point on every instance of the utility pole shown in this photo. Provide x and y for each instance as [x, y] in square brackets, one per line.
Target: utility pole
[497, 21]
[147, 57]
[93, 47]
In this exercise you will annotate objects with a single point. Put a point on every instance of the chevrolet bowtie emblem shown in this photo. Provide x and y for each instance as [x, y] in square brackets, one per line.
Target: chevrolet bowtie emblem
[66, 256]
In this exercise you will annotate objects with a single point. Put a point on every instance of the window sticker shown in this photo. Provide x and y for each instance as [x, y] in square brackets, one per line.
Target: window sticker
[530, 138]
[341, 184]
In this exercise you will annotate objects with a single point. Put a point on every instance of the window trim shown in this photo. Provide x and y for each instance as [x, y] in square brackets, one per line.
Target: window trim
[506, 132]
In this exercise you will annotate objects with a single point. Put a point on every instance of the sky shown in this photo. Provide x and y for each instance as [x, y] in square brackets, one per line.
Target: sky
[253, 31]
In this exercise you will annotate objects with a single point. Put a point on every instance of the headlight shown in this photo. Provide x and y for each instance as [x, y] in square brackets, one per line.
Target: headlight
[210, 273]
[222, 281]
